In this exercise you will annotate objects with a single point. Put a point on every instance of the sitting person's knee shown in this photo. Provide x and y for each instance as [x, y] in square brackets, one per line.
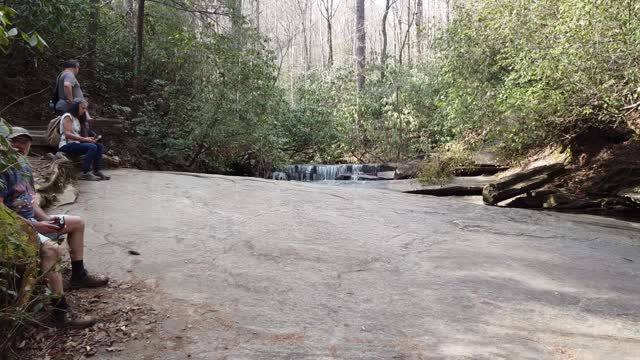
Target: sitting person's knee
[50, 250]
[73, 221]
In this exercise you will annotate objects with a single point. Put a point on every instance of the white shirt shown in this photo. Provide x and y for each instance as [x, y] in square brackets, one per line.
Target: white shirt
[75, 128]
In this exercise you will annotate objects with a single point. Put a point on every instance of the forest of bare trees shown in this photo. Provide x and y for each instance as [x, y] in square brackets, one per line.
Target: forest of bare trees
[318, 34]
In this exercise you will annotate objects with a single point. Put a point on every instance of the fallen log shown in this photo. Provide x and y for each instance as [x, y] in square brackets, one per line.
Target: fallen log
[449, 191]
[479, 170]
[520, 183]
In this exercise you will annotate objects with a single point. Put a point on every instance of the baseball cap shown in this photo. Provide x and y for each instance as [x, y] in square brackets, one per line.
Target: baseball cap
[18, 131]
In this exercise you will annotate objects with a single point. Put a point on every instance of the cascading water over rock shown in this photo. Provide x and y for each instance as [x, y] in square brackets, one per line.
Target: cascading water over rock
[313, 172]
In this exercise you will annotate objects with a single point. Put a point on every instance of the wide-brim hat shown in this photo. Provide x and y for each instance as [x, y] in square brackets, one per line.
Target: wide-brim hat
[18, 131]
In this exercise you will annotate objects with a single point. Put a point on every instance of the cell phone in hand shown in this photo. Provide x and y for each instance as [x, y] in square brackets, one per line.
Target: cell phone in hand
[58, 221]
[98, 138]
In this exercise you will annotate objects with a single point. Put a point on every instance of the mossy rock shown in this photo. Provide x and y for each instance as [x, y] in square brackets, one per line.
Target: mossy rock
[18, 257]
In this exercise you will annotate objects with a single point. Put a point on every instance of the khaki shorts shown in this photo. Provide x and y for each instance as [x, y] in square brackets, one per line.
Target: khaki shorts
[43, 238]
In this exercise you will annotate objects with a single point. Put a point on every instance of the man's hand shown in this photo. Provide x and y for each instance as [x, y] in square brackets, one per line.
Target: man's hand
[45, 227]
[90, 140]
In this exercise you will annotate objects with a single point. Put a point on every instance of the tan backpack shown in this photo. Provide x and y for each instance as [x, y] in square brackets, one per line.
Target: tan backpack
[53, 132]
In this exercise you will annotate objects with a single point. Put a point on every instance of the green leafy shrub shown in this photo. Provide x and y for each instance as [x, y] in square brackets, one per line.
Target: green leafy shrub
[440, 168]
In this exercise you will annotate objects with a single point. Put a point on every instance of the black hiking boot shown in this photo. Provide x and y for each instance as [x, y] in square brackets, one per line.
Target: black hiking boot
[65, 320]
[88, 281]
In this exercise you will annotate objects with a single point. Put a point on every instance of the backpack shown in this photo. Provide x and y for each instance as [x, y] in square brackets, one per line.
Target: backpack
[55, 96]
[53, 132]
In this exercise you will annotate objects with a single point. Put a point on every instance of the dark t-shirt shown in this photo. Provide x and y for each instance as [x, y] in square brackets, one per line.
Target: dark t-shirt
[18, 191]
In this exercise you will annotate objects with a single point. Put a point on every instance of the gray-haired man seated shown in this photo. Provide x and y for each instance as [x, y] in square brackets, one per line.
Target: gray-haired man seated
[18, 193]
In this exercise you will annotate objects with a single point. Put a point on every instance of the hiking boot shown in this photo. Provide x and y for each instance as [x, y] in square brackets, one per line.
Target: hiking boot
[68, 321]
[89, 281]
[88, 177]
[102, 176]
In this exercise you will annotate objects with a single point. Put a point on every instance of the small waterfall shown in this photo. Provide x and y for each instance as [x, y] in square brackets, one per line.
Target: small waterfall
[314, 172]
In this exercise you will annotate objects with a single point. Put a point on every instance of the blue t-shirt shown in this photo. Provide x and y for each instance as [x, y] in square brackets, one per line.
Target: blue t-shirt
[18, 191]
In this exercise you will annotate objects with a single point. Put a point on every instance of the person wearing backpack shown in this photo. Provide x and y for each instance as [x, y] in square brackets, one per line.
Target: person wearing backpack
[67, 88]
[73, 142]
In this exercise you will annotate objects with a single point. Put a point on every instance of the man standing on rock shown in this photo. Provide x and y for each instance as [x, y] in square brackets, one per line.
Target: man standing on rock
[18, 193]
[68, 87]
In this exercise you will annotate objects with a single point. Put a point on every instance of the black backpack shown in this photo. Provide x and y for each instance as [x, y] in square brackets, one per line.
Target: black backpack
[56, 96]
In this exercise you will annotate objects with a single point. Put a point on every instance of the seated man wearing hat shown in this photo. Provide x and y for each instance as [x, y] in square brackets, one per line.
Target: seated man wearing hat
[17, 192]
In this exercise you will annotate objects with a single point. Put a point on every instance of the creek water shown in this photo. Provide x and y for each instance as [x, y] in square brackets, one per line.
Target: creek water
[319, 172]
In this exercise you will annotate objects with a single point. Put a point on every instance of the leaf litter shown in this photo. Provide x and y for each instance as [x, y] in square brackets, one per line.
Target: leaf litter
[123, 315]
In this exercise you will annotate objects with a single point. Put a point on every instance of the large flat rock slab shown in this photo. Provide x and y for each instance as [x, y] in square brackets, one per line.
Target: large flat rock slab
[255, 269]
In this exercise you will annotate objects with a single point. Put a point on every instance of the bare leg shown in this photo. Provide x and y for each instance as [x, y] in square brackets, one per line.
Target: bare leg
[50, 255]
[75, 229]
[79, 276]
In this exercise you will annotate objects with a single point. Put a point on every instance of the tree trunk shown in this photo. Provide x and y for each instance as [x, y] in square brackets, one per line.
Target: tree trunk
[407, 33]
[409, 23]
[257, 11]
[128, 14]
[92, 40]
[236, 15]
[304, 10]
[383, 53]
[330, 41]
[137, 71]
[520, 183]
[448, 3]
[419, 26]
[360, 45]
[327, 11]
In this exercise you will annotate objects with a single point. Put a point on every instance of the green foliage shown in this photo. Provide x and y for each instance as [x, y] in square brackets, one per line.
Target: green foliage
[524, 73]
[391, 120]
[214, 104]
[9, 32]
[441, 168]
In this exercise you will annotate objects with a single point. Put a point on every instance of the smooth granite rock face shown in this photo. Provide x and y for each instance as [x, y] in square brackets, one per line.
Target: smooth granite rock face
[255, 269]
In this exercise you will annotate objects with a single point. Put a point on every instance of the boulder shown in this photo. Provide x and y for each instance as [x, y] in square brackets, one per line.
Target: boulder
[364, 177]
[408, 169]
[386, 175]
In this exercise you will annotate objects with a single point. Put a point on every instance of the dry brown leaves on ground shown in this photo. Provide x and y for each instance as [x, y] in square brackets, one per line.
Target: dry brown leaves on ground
[123, 315]
[606, 172]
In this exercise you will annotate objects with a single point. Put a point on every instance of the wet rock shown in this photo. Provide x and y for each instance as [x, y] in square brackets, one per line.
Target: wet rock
[408, 170]
[386, 175]
[365, 177]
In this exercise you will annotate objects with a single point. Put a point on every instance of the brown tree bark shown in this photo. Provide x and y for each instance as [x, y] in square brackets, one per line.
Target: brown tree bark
[360, 45]
[520, 183]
